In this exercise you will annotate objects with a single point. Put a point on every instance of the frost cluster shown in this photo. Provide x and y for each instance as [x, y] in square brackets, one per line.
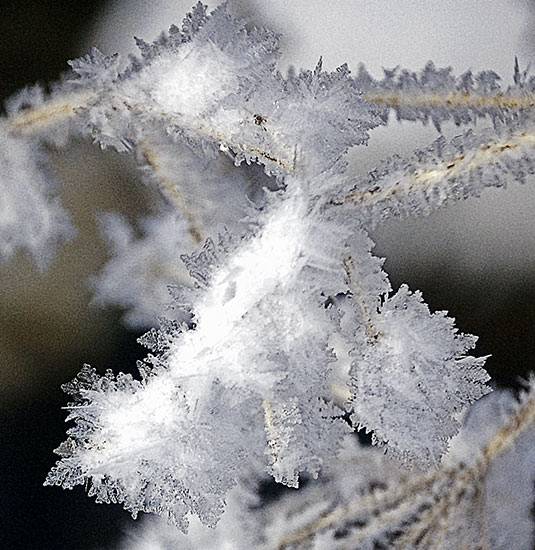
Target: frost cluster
[477, 498]
[32, 217]
[292, 320]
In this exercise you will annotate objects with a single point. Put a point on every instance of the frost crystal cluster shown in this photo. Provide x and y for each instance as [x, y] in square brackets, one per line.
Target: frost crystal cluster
[477, 499]
[284, 333]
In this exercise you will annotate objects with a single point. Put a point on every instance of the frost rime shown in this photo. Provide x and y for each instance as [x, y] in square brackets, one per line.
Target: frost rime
[287, 324]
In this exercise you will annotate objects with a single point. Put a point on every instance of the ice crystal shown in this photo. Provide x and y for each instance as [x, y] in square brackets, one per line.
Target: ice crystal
[207, 194]
[469, 502]
[477, 499]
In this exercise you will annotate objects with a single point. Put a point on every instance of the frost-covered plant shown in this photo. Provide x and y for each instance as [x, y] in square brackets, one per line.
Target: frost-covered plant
[285, 333]
[478, 498]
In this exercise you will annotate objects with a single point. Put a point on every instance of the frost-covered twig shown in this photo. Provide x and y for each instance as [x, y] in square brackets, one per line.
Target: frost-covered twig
[436, 95]
[479, 499]
[443, 173]
[470, 502]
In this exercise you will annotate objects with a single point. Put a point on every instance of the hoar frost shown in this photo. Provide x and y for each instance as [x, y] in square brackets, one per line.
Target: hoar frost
[477, 498]
[288, 322]
[31, 216]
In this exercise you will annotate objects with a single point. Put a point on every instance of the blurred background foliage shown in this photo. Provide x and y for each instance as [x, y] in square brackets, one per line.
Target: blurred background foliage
[476, 259]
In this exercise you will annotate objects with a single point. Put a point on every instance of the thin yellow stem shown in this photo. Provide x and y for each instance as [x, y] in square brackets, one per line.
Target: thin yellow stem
[519, 422]
[271, 430]
[171, 192]
[446, 170]
[358, 293]
[35, 120]
[451, 101]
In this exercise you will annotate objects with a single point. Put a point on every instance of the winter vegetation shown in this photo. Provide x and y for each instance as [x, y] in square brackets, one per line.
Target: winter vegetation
[279, 334]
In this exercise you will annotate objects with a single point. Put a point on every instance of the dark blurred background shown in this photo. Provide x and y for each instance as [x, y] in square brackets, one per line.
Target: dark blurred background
[49, 329]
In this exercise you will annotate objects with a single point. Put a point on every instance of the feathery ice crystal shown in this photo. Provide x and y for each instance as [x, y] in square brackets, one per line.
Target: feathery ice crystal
[478, 498]
[286, 333]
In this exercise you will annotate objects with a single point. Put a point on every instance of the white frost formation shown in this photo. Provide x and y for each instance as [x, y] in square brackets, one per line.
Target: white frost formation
[289, 324]
[477, 499]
